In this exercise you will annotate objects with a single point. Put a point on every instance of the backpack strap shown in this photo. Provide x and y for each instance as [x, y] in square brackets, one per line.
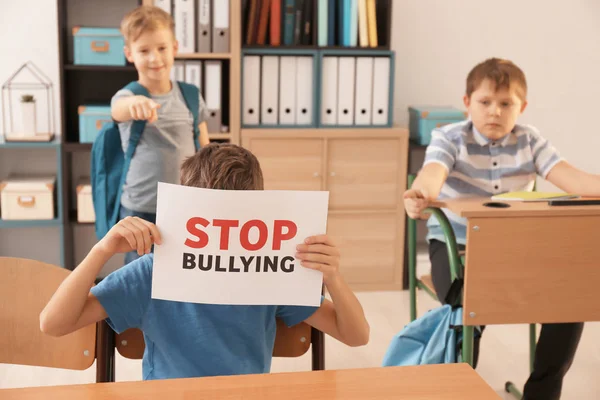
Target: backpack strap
[137, 128]
[191, 95]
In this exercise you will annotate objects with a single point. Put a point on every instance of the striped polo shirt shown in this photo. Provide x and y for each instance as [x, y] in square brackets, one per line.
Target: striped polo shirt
[481, 167]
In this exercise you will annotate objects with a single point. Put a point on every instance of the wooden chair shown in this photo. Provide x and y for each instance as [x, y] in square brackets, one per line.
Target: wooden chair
[289, 342]
[26, 286]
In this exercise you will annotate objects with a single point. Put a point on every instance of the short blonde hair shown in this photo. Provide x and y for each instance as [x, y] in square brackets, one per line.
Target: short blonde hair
[503, 73]
[145, 19]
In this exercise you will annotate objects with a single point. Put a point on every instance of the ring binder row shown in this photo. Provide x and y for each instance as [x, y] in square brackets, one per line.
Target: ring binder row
[200, 25]
[208, 76]
[307, 91]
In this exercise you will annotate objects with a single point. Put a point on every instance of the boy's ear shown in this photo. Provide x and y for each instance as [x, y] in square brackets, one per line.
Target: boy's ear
[127, 52]
[523, 106]
[466, 101]
[175, 47]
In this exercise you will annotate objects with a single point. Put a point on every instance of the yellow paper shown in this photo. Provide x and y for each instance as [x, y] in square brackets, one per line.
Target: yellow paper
[534, 196]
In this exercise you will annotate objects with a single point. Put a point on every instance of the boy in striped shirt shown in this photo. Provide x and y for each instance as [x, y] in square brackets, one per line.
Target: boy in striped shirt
[487, 155]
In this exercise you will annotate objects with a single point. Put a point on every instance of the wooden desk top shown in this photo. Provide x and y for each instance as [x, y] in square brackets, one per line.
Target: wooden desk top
[473, 207]
[428, 382]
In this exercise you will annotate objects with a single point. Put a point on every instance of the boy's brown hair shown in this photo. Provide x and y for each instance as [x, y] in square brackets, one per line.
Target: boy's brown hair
[503, 73]
[143, 19]
[222, 166]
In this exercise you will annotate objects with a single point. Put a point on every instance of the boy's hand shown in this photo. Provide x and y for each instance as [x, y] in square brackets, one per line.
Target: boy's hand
[144, 108]
[415, 201]
[319, 253]
[131, 233]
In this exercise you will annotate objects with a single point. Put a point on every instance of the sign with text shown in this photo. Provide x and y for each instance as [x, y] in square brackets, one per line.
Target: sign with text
[236, 246]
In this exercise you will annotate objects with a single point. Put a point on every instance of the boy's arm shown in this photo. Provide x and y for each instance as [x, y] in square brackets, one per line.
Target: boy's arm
[344, 318]
[573, 180]
[72, 306]
[430, 180]
[204, 139]
[426, 187]
[134, 107]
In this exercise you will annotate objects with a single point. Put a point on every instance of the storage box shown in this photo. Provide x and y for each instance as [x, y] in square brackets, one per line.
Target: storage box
[424, 119]
[98, 46]
[85, 205]
[27, 198]
[91, 120]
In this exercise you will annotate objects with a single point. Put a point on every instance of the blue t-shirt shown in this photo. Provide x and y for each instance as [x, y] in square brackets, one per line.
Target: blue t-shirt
[187, 339]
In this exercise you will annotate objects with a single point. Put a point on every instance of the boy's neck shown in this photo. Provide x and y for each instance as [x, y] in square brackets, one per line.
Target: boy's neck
[156, 87]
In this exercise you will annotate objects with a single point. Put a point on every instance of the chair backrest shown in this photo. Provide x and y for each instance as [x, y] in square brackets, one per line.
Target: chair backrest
[289, 342]
[26, 286]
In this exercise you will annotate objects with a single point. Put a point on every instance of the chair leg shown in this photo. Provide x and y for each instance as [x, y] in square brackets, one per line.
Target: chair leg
[511, 387]
[412, 267]
[467, 344]
[532, 345]
[412, 259]
[318, 349]
[105, 353]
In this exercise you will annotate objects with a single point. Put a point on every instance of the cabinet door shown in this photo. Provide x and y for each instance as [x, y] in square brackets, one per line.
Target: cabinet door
[363, 173]
[369, 245]
[290, 164]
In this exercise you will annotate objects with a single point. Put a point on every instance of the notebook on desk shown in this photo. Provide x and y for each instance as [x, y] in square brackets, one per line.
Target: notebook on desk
[534, 196]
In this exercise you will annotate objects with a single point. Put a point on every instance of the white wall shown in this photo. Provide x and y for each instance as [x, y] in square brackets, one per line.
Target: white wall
[555, 42]
[29, 32]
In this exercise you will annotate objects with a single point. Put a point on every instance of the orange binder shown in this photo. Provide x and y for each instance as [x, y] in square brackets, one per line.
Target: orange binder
[275, 27]
[250, 33]
[261, 37]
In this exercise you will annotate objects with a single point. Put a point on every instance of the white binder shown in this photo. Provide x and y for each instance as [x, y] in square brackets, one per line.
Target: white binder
[346, 79]
[165, 5]
[381, 90]
[287, 90]
[220, 26]
[269, 82]
[204, 26]
[185, 32]
[304, 90]
[364, 90]
[251, 90]
[212, 83]
[178, 71]
[193, 73]
[329, 91]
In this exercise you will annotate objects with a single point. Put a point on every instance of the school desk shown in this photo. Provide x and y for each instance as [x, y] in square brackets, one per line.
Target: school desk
[528, 263]
[429, 382]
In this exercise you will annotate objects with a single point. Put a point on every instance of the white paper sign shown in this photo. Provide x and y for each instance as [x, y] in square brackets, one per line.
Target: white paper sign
[236, 247]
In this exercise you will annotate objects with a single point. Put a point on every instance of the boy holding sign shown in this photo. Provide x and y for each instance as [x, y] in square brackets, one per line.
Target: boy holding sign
[185, 339]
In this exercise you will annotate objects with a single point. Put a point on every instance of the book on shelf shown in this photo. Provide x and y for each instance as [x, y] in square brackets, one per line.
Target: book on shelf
[344, 23]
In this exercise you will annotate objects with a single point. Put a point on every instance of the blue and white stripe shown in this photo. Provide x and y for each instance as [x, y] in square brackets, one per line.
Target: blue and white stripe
[478, 166]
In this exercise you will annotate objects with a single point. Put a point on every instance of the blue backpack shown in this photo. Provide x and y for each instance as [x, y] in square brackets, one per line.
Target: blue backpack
[110, 165]
[430, 339]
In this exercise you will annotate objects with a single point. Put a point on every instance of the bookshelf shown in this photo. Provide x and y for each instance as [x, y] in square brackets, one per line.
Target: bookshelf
[363, 167]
